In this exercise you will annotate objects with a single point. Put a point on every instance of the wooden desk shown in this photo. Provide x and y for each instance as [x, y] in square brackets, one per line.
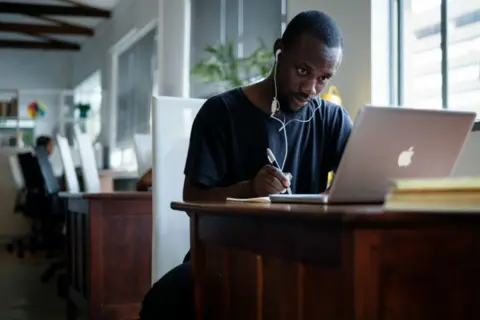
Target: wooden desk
[113, 180]
[273, 262]
[109, 246]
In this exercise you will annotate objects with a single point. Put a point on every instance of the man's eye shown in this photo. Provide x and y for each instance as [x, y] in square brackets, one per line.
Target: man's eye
[302, 71]
[324, 79]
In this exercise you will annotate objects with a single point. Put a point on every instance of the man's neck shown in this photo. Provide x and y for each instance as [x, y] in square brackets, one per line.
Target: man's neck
[261, 94]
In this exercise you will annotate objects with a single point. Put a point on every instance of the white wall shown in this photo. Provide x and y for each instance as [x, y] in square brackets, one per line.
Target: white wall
[127, 16]
[363, 75]
[34, 69]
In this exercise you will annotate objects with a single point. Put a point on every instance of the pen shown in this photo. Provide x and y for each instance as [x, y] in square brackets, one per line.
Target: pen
[273, 161]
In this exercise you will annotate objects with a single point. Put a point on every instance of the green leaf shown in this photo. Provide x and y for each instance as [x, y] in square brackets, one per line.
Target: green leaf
[223, 67]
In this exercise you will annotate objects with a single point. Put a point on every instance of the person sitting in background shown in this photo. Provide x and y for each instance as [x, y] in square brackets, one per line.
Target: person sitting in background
[47, 142]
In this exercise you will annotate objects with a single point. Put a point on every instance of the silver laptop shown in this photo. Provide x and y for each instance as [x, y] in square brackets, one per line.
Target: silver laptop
[387, 143]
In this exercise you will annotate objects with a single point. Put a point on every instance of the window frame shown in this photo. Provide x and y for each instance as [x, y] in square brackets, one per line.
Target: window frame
[398, 23]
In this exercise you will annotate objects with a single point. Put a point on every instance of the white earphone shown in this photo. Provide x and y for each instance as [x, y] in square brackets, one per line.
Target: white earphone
[275, 105]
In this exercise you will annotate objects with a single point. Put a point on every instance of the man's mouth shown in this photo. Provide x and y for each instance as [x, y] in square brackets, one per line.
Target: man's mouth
[300, 100]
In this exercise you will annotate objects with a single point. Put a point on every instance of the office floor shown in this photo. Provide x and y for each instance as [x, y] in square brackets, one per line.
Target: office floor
[22, 295]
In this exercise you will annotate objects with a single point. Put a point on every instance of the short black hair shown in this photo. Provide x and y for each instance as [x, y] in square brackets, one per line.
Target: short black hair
[318, 24]
[43, 141]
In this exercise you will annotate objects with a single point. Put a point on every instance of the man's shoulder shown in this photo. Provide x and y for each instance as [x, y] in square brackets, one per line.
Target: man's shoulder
[327, 106]
[329, 111]
[221, 102]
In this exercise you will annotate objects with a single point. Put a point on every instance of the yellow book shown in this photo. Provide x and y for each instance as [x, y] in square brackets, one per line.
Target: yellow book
[438, 184]
[446, 194]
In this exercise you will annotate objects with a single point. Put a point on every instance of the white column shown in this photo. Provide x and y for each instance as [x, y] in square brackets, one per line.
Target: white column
[174, 47]
[173, 80]
[363, 75]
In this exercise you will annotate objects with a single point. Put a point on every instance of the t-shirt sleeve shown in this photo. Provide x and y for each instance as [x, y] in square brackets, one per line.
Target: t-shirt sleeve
[342, 127]
[206, 158]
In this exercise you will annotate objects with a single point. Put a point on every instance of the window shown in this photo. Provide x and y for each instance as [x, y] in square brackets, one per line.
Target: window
[241, 21]
[90, 92]
[467, 19]
[136, 73]
[136, 67]
[439, 54]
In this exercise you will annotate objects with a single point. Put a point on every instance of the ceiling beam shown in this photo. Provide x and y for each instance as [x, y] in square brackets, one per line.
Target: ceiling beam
[78, 4]
[45, 28]
[40, 9]
[32, 45]
[52, 40]
[59, 22]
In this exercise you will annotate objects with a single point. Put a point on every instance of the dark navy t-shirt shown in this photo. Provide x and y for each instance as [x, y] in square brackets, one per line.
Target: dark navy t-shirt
[230, 136]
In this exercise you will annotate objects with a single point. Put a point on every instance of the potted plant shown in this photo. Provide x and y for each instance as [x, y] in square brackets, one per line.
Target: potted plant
[83, 108]
[224, 69]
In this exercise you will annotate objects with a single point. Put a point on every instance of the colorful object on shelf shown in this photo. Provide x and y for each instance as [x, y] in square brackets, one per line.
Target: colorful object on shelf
[36, 108]
[332, 95]
[83, 109]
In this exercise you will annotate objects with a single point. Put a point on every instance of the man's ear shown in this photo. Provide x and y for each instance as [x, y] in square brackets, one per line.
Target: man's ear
[278, 45]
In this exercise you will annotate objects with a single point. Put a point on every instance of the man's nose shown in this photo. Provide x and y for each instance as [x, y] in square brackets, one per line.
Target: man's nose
[309, 88]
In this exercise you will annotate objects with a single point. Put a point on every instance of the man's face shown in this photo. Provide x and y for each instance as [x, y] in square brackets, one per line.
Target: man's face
[303, 71]
[50, 147]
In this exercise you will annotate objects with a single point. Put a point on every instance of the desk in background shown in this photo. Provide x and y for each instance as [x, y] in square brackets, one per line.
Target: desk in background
[274, 261]
[109, 247]
[112, 180]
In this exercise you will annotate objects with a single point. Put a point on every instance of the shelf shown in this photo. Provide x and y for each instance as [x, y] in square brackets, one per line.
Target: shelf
[13, 123]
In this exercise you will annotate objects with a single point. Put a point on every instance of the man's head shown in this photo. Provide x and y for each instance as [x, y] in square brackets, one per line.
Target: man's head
[311, 52]
[47, 142]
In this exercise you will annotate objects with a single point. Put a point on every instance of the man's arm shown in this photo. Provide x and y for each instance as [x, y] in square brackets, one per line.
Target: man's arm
[206, 164]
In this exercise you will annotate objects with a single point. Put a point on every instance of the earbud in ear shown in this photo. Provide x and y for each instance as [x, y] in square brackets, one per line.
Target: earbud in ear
[277, 53]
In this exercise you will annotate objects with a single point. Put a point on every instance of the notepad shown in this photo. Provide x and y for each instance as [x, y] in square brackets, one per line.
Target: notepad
[254, 200]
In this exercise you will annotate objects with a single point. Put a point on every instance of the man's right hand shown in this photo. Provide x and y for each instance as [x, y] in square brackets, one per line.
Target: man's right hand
[270, 180]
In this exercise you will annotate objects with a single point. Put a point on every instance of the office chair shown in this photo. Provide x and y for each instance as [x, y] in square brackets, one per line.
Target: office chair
[43, 208]
[32, 194]
[55, 240]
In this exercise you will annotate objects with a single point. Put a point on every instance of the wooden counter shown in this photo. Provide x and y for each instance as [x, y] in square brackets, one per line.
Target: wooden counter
[109, 246]
[274, 262]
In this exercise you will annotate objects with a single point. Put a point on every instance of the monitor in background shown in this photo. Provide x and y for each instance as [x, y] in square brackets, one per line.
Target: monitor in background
[143, 152]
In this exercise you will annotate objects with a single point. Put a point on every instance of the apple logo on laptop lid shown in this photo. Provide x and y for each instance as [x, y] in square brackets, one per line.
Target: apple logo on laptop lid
[405, 157]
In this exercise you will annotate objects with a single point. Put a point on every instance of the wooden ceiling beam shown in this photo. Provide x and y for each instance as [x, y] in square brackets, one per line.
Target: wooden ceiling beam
[78, 4]
[44, 9]
[57, 22]
[32, 45]
[51, 40]
[45, 28]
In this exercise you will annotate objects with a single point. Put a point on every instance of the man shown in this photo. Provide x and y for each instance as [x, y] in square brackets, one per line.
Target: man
[230, 135]
[47, 142]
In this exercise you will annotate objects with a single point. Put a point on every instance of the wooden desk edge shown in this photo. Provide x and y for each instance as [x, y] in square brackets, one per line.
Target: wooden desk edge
[133, 195]
[355, 214]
